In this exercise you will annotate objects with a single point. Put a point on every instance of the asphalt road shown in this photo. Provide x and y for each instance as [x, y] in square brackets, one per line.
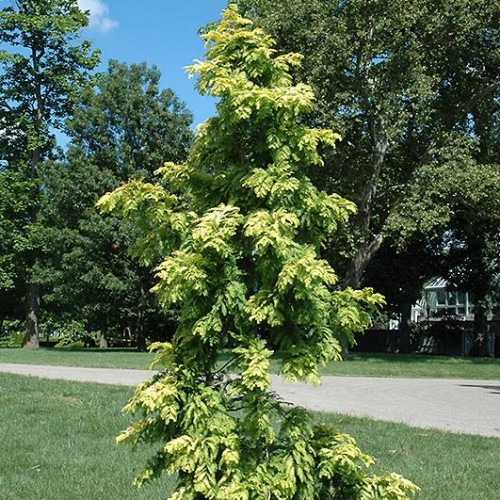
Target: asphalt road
[456, 405]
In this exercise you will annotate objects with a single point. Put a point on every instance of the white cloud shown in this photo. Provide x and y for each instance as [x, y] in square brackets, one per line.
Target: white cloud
[99, 18]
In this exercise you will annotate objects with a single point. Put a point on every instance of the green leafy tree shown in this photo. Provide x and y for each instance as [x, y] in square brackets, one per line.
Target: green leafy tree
[127, 124]
[42, 70]
[456, 202]
[446, 227]
[238, 229]
[14, 206]
[124, 127]
[400, 81]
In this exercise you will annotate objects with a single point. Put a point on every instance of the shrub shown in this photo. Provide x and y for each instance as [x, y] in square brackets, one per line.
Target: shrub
[73, 333]
[12, 334]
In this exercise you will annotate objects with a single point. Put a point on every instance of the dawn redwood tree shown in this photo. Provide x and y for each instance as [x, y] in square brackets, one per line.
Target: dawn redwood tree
[42, 70]
[238, 229]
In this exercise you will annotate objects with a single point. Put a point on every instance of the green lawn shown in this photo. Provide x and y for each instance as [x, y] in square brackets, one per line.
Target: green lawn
[416, 365]
[94, 358]
[58, 444]
[369, 365]
[446, 466]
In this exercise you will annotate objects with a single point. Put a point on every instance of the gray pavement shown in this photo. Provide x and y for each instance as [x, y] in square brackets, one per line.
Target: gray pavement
[466, 406]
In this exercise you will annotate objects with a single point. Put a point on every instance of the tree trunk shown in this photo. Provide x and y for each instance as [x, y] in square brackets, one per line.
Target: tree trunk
[32, 337]
[370, 246]
[33, 295]
[480, 327]
[357, 265]
[480, 290]
[140, 321]
[33, 290]
[140, 336]
[404, 328]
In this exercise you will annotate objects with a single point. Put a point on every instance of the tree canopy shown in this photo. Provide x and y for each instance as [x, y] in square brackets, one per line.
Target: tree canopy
[42, 70]
[413, 89]
[400, 81]
[123, 128]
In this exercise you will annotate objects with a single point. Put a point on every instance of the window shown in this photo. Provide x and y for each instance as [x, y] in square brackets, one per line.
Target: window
[441, 298]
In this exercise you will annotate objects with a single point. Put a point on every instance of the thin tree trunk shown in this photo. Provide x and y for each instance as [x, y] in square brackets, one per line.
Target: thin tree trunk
[140, 323]
[33, 289]
[140, 337]
[404, 328]
[480, 327]
[32, 337]
[33, 294]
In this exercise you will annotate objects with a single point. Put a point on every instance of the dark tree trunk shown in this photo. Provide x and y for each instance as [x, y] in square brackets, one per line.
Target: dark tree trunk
[358, 264]
[141, 338]
[480, 327]
[404, 328]
[33, 293]
[140, 323]
[32, 338]
[33, 290]
[481, 280]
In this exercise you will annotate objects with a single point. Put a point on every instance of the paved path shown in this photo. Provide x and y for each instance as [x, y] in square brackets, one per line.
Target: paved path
[468, 406]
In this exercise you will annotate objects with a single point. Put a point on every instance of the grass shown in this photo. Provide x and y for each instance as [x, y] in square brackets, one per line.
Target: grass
[416, 366]
[58, 444]
[444, 465]
[368, 365]
[93, 358]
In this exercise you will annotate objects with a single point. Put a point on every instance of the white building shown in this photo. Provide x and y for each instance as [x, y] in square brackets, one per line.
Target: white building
[437, 302]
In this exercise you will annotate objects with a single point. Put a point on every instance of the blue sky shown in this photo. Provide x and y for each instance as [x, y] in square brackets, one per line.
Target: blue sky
[161, 32]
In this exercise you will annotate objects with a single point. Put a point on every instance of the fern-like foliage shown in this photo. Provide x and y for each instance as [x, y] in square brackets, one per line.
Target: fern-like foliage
[236, 235]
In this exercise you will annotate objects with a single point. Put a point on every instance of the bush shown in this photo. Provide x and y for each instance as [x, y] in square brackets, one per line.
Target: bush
[78, 344]
[74, 333]
[12, 334]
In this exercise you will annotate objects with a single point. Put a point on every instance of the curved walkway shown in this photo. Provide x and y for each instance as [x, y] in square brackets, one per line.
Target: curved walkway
[467, 406]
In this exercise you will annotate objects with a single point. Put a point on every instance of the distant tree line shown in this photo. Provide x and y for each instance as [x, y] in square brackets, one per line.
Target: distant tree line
[413, 88]
[61, 262]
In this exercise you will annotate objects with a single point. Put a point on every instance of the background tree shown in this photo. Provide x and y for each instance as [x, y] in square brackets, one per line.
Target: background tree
[456, 202]
[238, 229]
[127, 125]
[42, 70]
[400, 81]
[124, 127]
[399, 273]
[14, 209]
